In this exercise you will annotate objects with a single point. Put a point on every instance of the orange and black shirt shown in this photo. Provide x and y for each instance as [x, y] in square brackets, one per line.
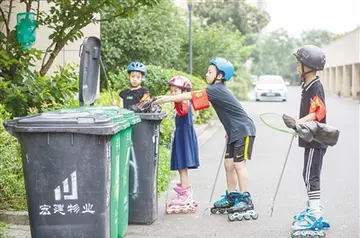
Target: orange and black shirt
[313, 101]
[133, 97]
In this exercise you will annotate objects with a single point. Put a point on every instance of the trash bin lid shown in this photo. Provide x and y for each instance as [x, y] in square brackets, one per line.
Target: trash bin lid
[70, 121]
[121, 112]
[152, 116]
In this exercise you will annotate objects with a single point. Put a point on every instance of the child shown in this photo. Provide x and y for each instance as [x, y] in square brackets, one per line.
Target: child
[136, 93]
[184, 154]
[310, 60]
[240, 130]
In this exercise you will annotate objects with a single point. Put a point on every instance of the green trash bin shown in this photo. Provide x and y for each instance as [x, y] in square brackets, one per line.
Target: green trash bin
[72, 159]
[129, 118]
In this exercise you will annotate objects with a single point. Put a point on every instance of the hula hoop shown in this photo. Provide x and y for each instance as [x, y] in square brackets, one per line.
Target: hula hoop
[275, 128]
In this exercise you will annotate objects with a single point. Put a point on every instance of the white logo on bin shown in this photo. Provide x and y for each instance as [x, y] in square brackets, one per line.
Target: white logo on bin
[68, 195]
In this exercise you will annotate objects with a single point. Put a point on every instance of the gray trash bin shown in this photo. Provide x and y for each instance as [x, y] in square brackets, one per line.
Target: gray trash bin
[67, 170]
[143, 202]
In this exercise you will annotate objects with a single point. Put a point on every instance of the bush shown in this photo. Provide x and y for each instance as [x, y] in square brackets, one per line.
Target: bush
[3, 230]
[40, 93]
[12, 188]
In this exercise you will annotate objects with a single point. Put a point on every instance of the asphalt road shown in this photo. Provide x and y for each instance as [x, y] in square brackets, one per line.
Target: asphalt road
[340, 180]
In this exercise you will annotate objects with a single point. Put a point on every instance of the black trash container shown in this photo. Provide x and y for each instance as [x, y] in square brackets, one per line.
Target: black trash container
[67, 169]
[143, 202]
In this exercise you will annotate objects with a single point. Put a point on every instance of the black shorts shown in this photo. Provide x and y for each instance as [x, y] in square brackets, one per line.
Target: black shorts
[240, 150]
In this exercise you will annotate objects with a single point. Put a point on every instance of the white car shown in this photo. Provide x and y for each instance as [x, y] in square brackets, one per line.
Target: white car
[271, 87]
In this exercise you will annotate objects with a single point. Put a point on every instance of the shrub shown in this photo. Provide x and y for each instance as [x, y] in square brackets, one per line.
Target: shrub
[12, 189]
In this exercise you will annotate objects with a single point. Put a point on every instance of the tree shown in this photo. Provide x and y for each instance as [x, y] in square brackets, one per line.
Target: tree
[246, 18]
[66, 18]
[152, 35]
[317, 37]
[275, 55]
[209, 42]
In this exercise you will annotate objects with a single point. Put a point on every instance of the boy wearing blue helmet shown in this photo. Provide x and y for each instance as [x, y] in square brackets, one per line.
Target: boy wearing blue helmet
[240, 130]
[136, 93]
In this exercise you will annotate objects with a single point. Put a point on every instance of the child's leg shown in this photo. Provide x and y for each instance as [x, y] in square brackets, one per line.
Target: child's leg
[231, 177]
[184, 178]
[313, 159]
[243, 152]
[242, 175]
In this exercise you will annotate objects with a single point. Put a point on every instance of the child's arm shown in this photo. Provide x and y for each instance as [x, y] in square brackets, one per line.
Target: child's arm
[317, 110]
[121, 102]
[121, 96]
[200, 99]
[182, 108]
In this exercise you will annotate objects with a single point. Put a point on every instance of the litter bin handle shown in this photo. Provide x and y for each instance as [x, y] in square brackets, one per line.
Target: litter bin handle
[86, 120]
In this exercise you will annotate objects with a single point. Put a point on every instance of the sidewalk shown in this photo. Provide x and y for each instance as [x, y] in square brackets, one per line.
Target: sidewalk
[23, 230]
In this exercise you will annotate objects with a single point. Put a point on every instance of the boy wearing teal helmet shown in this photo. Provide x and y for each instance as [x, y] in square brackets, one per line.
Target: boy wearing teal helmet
[240, 134]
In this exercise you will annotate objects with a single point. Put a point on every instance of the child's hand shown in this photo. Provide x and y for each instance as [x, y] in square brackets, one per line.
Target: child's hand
[289, 121]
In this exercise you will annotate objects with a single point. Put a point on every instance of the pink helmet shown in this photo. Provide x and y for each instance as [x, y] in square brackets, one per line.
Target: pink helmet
[180, 82]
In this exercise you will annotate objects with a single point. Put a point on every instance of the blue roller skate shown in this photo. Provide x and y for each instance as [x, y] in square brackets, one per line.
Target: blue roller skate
[228, 200]
[243, 210]
[300, 216]
[309, 226]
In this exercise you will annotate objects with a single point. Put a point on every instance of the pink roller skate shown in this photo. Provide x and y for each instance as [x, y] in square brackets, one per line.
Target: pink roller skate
[182, 202]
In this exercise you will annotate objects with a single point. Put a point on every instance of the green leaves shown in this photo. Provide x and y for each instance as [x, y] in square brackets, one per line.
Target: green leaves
[246, 18]
[152, 36]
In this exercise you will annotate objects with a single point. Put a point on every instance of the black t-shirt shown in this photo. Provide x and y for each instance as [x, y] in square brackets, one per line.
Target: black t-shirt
[312, 98]
[232, 115]
[132, 97]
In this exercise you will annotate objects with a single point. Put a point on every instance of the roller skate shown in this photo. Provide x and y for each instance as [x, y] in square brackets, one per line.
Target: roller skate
[182, 202]
[309, 226]
[300, 216]
[243, 209]
[228, 200]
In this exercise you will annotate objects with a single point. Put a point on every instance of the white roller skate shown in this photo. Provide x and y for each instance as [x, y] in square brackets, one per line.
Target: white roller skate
[182, 202]
[300, 216]
[308, 225]
[243, 209]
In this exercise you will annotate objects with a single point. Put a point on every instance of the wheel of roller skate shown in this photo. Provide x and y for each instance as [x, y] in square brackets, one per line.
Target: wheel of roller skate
[247, 216]
[184, 210]
[213, 210]
[231, 217]
[222, 211]
[177, 211]
[254, 216]
[239, 217]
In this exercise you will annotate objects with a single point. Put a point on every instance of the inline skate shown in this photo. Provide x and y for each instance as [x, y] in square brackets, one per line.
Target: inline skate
[300, 216]
[228, 200]
[309, 226]
[243, 210]
[182, 202]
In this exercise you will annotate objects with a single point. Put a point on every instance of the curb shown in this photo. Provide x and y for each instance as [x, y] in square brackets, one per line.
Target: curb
[15, 218]
[22, 218]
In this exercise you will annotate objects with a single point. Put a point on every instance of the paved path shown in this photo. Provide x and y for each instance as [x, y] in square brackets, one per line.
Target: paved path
[340, 180]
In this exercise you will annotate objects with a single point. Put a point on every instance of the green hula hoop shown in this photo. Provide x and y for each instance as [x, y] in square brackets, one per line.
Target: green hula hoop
[275, 128]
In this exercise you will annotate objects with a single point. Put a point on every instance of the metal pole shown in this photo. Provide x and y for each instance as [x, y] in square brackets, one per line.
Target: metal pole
[190, 6]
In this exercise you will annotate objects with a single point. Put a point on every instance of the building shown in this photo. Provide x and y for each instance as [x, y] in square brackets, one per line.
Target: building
[342, 70]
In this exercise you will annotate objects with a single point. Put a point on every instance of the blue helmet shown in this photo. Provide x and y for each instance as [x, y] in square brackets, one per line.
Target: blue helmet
[137, 66]
[224, 66]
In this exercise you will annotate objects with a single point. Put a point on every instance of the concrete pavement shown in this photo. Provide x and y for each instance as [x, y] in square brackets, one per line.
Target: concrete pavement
[340, 180]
